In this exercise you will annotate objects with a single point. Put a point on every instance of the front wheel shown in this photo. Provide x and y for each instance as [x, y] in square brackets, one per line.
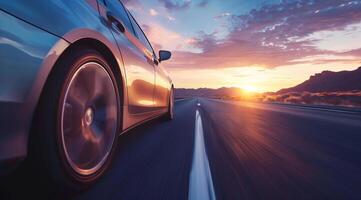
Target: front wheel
[78, 120]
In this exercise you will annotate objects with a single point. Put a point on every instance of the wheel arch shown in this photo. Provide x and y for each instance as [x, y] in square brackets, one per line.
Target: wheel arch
[109, 56]
[100, 47]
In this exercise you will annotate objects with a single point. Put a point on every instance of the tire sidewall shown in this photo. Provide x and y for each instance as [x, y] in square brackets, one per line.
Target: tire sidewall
[59, 168]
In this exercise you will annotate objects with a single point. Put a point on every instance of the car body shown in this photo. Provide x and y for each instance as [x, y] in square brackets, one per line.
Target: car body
[35, 35]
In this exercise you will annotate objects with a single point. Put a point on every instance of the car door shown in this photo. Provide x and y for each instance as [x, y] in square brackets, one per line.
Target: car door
[137, 59]
[162, 87]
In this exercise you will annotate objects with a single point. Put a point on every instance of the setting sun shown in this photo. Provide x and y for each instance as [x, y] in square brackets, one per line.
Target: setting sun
[249, 88]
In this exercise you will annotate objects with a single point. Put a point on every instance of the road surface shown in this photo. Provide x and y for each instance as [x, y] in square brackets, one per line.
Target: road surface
[231, 150]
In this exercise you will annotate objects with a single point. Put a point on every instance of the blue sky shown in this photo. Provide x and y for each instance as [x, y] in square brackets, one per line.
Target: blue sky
[265, 45]
[200, 16]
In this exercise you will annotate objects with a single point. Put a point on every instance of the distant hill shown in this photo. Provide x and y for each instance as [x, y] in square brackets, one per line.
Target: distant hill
[207, 92]
[328, 81]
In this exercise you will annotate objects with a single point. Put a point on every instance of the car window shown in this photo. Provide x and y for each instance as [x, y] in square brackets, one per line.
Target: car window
[140, 34]
[117, 9]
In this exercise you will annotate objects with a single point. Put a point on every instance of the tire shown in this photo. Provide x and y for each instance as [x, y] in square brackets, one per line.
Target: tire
[170, 114]
[77, 121]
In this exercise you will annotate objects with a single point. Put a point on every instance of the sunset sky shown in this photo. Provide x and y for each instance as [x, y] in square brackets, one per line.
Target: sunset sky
[257, 45]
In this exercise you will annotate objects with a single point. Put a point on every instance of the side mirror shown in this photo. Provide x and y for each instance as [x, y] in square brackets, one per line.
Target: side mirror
[164, 55]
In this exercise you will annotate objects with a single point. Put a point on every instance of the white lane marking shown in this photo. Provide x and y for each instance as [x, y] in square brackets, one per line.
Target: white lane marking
[198, 104]
[200, 181]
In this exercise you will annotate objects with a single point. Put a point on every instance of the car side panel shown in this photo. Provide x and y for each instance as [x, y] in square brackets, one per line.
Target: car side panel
[162, 87]
[140, 74]
[24, 49]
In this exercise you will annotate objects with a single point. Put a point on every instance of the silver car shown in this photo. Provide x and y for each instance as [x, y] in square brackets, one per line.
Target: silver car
[73, 76]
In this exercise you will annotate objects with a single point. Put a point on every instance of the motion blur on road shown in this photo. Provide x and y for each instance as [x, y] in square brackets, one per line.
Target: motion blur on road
[254, 150]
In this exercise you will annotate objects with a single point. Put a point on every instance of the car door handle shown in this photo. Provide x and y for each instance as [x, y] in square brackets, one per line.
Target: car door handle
[116, 22]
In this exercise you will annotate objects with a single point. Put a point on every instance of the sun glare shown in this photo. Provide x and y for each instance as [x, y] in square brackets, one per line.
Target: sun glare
[249, 88]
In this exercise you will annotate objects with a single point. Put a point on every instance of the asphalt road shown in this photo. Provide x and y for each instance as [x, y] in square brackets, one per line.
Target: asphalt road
[253, 151]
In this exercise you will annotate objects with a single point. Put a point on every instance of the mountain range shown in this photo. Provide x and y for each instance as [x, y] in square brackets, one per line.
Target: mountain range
[328, 81]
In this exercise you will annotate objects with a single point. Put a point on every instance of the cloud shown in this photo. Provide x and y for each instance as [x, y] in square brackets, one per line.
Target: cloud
[174, 6]
[271, 36]
[170, 18]
[222, 15]
[355, 52]
[203, 3]
[153, 12]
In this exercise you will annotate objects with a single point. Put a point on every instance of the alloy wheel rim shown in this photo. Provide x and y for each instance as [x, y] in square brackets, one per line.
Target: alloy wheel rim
[89, 118]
